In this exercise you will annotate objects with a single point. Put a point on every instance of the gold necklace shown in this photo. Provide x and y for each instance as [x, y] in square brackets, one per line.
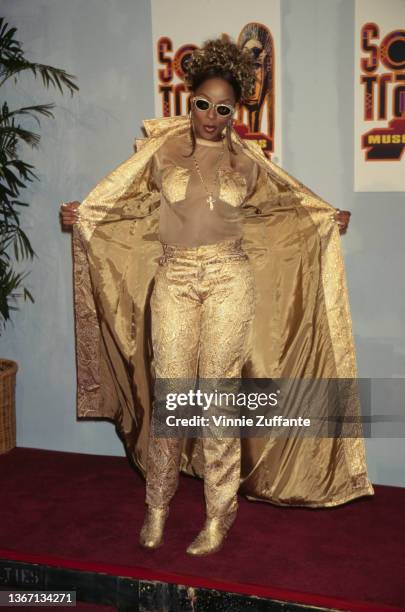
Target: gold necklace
[210, 196]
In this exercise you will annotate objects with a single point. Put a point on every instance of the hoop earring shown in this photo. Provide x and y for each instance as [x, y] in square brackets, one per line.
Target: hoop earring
[190, 116]
[192, 131]
[229, 135]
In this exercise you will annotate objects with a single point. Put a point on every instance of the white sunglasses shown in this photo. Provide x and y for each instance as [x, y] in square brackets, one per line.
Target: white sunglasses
[202, 104]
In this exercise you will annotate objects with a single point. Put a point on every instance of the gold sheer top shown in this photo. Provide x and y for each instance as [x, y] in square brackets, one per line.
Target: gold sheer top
[186, 217]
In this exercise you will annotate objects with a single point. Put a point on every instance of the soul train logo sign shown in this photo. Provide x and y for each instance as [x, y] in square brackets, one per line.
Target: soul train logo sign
[382, 78]
[255, 119]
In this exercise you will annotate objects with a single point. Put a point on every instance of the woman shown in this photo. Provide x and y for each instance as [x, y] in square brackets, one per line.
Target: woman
[194, 225]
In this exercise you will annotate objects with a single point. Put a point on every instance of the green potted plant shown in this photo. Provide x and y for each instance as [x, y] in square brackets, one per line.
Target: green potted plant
[15, 245]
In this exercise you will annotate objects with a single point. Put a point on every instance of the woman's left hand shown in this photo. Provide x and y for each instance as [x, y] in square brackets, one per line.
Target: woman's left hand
[342, 218]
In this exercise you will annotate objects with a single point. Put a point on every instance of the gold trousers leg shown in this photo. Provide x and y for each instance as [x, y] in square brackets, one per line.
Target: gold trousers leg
[202, 308]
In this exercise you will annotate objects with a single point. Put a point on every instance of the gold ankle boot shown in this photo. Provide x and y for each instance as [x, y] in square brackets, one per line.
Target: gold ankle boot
[151, 535]
[212, 536]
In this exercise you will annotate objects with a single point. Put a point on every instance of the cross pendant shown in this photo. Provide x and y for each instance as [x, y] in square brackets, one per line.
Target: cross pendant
[211, 201]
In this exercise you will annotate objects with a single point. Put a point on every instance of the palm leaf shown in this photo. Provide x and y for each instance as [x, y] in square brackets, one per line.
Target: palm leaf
[50, 75]
[27, 136]
[14, 172]
[43, 109]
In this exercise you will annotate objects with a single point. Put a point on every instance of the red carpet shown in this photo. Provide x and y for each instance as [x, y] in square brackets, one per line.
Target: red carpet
[85, 512]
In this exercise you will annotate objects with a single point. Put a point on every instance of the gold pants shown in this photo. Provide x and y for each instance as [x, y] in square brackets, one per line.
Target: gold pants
[202, 308]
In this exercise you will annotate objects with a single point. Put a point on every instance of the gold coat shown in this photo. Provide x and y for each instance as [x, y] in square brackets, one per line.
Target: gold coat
[302, 326]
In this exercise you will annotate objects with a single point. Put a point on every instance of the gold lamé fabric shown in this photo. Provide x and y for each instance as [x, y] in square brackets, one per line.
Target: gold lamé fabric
[202, 308]
[185, 216]
[302, 326]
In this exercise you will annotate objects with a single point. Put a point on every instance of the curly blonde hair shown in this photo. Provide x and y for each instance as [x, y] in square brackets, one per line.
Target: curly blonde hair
[220, 57]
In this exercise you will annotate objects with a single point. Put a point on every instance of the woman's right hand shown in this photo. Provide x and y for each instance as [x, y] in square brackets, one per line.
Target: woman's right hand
[68, 213]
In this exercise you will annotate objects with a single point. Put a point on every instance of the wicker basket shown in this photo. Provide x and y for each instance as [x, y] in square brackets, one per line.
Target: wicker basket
[8, 371]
